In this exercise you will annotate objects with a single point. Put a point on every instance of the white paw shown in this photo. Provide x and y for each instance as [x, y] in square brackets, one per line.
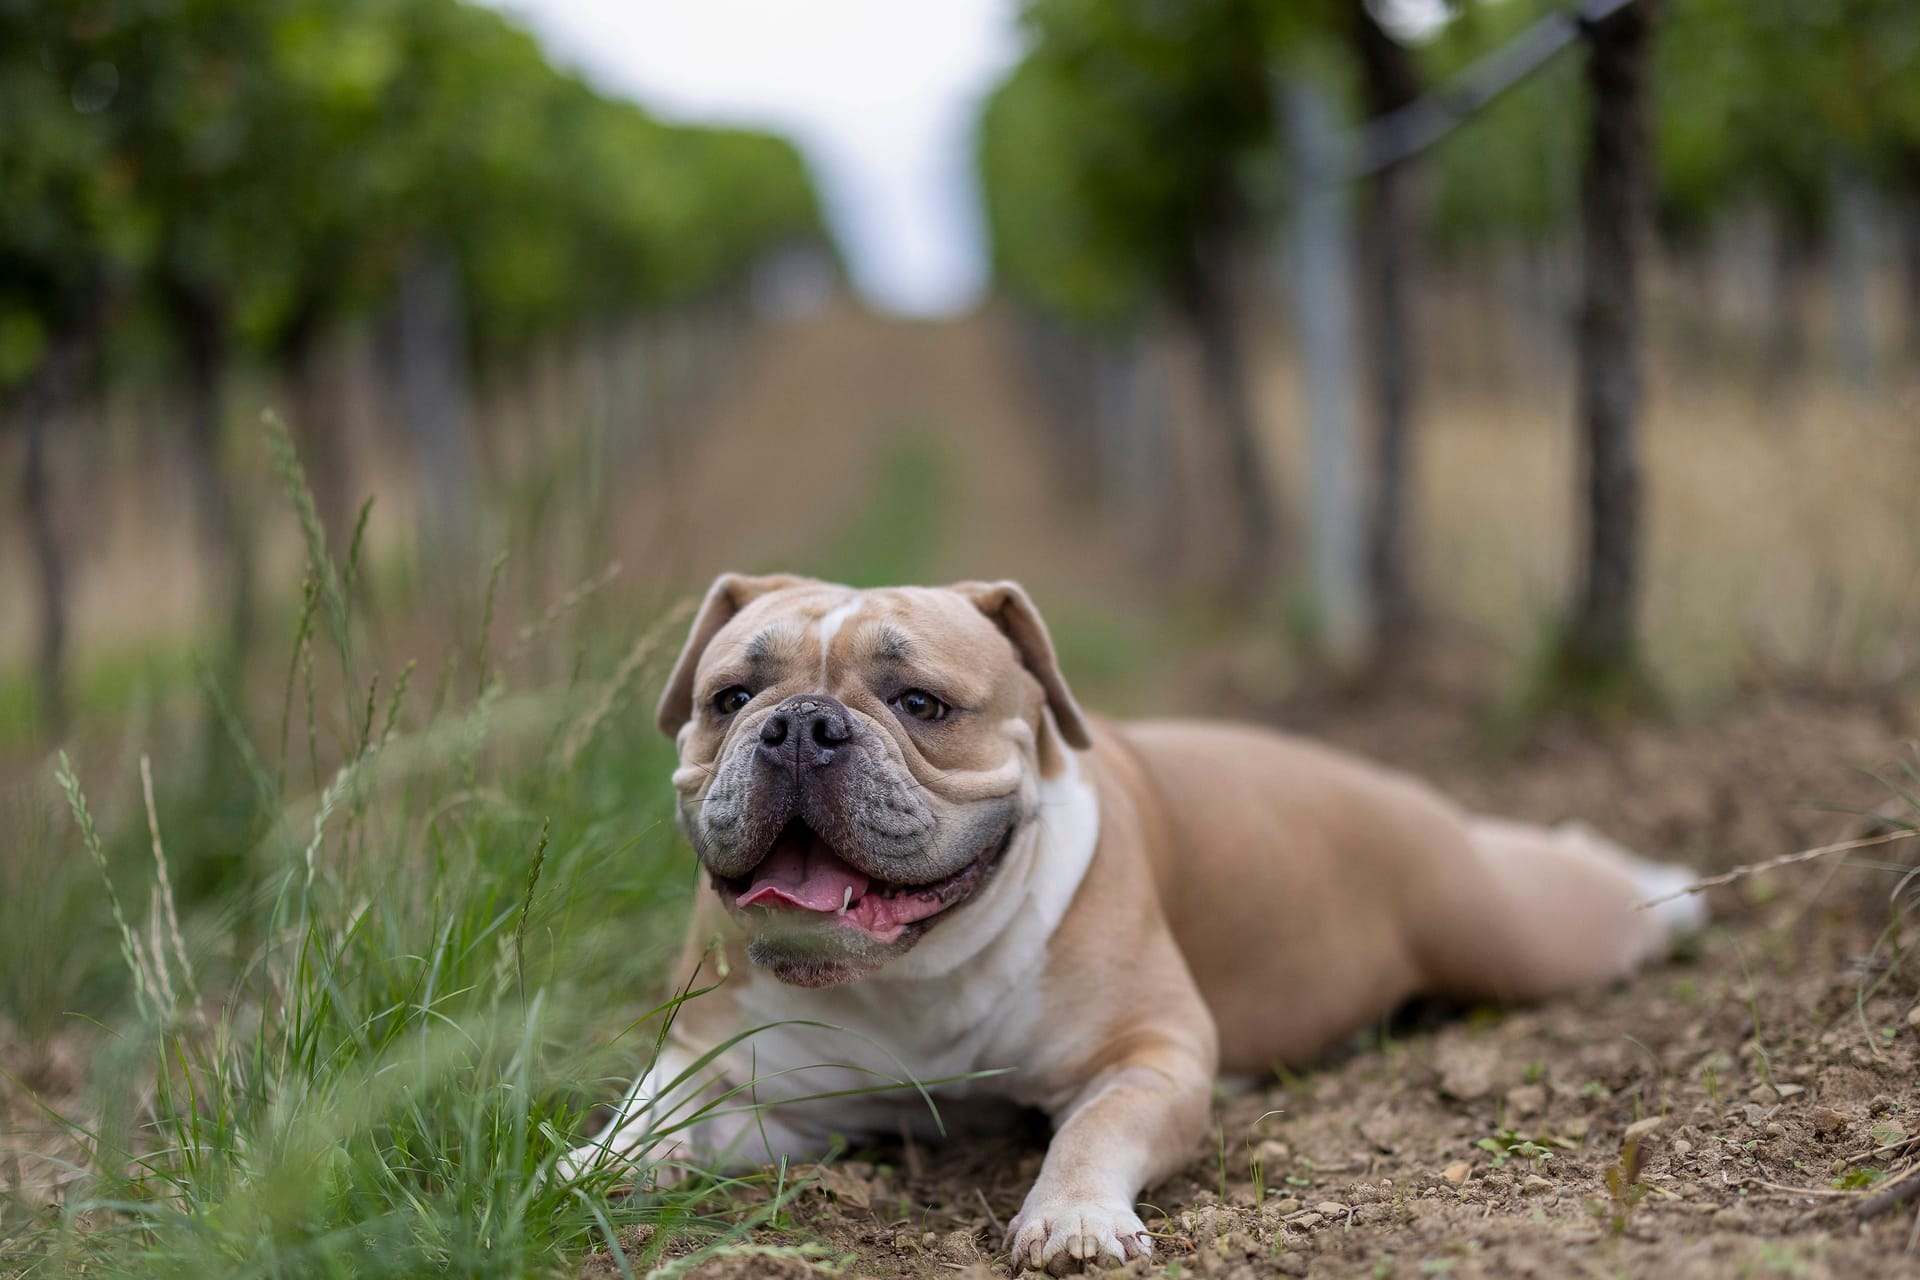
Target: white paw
[1061, 1234]
[657, 1166]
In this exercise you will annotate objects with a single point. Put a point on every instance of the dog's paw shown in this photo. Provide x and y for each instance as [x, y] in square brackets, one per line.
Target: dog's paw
[1063, 1234]
[658, 1168]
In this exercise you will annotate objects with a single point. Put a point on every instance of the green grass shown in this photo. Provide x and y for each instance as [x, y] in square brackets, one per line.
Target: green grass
[348, 1029]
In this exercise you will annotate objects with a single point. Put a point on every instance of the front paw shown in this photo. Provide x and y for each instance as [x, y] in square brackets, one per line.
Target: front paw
[1059, 1234]
[633, 1166]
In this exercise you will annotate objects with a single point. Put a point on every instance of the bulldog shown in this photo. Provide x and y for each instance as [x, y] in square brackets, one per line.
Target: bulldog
[926, 867]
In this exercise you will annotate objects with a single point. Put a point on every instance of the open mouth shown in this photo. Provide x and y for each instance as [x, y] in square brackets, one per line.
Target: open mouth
[803, 873]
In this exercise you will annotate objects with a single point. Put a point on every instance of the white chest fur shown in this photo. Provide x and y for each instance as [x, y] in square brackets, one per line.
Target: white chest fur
[966, 1000]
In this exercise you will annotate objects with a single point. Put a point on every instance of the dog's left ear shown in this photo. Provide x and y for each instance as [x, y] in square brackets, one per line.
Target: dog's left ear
[1012, 611]
[729, 594]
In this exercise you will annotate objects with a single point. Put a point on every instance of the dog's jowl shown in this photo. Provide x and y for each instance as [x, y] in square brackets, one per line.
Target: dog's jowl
[923, 861]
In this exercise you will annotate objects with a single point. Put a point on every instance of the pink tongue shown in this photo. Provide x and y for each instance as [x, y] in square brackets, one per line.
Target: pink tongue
[803, 872]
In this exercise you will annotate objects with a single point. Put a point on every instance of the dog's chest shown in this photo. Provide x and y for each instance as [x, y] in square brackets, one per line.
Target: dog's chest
[885, 1034]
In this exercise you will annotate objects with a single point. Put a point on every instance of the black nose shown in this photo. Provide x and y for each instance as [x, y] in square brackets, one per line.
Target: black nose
[805, 732]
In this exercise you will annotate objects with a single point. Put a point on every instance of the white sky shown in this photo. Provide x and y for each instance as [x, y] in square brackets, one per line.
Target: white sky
[880, 95]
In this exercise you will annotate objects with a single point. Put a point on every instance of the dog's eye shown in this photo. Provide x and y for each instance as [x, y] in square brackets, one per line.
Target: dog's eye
[731, 699]
[921, 705]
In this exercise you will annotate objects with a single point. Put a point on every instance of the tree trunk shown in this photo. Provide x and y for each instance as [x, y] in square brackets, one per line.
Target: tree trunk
[435, 401]
[317, 417]
[1851, 269]
[1600, 647]
[1784, 373]
[200, 327]
[1210, 309]
[46, 393]
[50, 389]
[1910, 252]
[1391, 82]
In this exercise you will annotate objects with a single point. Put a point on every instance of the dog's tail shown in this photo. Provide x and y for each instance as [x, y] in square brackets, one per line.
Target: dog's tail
[1544, 910]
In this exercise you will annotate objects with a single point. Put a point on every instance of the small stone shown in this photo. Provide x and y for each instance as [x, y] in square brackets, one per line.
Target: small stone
[1466, 1069]
[960, 1246]
[1837, 1168]
[1329, 1208]
[1776, 1130]
[1305, 1221]
[1756, 1114]
[1535, 1184]
[1578, 1127]
[1641, 1128]
[1828, 1121]
[1526, 1100]
[1913, 1017]
[1682, 1148]
[1286, 1205]
[1789, 1090]
[1457, 1172]
[1763, 1094]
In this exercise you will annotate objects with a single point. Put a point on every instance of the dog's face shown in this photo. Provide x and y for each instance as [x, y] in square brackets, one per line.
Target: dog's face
[853, 764]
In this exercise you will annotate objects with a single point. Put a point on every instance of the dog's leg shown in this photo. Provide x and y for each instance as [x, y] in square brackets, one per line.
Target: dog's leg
[1525, 912]
[1132, 1124]
[665, 1122]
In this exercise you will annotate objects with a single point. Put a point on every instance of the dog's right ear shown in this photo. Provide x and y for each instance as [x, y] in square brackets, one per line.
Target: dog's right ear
[729, 594]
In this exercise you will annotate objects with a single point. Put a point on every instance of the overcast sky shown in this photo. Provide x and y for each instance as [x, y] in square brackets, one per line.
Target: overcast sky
[881, 96]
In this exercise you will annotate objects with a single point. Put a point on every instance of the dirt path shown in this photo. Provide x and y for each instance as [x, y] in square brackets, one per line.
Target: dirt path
[849, 425]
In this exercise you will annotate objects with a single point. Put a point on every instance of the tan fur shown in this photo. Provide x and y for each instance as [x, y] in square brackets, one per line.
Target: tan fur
[1251, 898]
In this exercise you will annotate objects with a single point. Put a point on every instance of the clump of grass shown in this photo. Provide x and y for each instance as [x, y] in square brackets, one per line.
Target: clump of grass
[1625, 1190]
[1505, 1144]
[374, 1064]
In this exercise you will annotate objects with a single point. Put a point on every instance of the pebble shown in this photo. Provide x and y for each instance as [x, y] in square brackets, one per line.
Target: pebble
[959, 1246]
[1286, 1205]
[1763, 1094]
[1305, 1221]
[1641, 1128]
[1330, 1208]
[1535, 1184]
[1457, 1172]
[1776, 1130]
[1913, 1017]
[1827, 1120]
[1682, 1148]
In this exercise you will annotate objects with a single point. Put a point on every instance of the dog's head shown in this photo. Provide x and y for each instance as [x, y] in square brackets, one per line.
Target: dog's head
[853, 764]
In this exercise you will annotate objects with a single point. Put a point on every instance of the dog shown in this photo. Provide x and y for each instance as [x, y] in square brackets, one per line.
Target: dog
[925, 865]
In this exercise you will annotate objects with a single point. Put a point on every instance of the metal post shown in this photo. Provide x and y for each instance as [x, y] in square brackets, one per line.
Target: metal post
[1323, 321]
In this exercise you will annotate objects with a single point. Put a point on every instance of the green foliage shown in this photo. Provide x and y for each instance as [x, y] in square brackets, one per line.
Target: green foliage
[1112, 159]
[1625, 1190]
[249, 173]
[1136, 133]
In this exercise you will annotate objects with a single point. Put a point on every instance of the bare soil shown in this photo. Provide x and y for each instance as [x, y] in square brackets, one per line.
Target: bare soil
[1771, 1073]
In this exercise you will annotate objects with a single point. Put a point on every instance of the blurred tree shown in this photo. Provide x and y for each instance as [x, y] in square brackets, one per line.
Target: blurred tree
[244, 179]
[68, 243]
[1122, 141]
[1599, 651]
[1390, 81]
